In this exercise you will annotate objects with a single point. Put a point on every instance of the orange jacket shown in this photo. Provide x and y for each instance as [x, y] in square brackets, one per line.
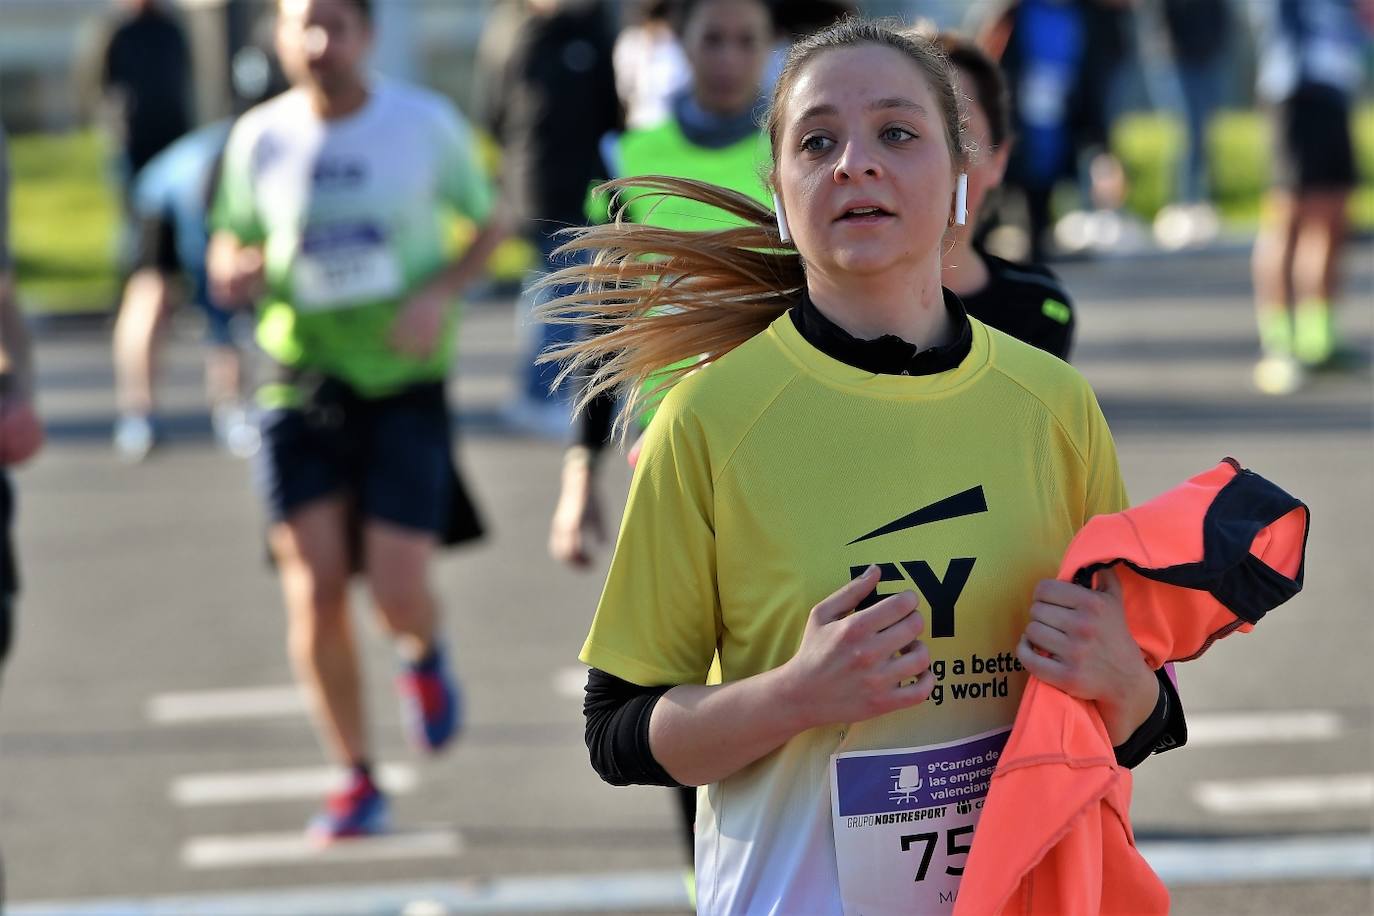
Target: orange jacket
[1203, 560]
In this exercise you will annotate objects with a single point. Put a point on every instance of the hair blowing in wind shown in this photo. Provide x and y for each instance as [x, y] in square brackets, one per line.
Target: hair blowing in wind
[652, 298]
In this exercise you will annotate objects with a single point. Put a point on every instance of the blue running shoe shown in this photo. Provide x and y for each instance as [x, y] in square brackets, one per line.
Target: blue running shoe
[430, 703]
[359, 809]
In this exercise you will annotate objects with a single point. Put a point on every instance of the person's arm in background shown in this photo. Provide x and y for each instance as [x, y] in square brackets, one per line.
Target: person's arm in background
[466, 189]
[417, 328]
[234, 256]
[578, 521]
[21, 434]
[16, 351]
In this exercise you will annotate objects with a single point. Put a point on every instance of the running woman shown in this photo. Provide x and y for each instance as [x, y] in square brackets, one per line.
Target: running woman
[332, 212]
[1310, 71]
[852, 434]
[169, 201]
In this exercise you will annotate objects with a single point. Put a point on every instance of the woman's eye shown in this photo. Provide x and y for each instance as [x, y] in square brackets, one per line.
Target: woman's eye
[815, 143]
[897, 134]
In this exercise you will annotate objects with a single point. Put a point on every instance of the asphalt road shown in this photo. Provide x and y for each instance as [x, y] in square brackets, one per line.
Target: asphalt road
[125, 774]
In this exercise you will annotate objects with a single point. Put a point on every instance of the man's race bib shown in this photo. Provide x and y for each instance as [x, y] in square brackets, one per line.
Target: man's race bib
[904, 822]
[342, 265]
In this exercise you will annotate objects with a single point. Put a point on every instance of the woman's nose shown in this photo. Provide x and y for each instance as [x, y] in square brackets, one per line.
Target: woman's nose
[857, 160]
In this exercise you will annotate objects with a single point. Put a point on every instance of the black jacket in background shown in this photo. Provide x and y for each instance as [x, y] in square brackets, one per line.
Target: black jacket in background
[147, 63]
[548, 96]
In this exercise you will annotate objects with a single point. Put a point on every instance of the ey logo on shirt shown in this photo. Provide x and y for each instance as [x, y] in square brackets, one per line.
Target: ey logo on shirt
[941, 593]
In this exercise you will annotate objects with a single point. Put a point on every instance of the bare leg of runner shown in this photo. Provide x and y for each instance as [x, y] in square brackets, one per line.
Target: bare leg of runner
[397, 565]
[223, 376]
[397, 568]
[312, 557]
[1271, 263]
[1321, 219]
[1271, 267]
[143, 312]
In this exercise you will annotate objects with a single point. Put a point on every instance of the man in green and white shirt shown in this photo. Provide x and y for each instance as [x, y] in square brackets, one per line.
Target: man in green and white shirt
[334, 216]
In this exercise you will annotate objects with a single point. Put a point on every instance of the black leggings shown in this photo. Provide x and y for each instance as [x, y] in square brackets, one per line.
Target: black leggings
[687, 805]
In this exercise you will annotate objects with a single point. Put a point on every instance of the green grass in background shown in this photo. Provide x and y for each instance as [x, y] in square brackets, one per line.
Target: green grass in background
[63, 222]
[64, 214]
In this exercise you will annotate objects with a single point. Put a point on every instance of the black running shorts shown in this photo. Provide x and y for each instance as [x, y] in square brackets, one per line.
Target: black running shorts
[1313, 150]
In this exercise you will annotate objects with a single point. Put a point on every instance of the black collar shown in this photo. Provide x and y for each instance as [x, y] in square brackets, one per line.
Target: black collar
[889, 354]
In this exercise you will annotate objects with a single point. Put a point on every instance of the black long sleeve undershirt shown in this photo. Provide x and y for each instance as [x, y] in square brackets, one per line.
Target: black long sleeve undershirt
[593, 425]
[617, 716]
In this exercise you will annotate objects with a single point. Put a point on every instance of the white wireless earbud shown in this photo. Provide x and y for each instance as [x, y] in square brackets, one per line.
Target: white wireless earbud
[961, 200]
[782, 218]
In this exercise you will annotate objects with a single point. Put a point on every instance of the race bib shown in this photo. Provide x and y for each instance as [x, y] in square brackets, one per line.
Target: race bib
[342, 265]
[904, 820]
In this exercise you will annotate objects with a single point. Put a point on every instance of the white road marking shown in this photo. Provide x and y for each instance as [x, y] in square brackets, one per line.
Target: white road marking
[1331, 857]
[637, 891]
[220, 705]
[294, 848]
[276, 785]
[1273, 727]
[1177, 862]
[1299, 793]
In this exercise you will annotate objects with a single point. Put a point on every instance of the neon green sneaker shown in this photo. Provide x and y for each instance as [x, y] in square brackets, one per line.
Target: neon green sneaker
[1314, 333]
[1275, 331]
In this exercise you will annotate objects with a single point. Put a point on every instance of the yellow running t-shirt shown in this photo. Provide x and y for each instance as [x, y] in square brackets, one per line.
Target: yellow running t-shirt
[771, 478]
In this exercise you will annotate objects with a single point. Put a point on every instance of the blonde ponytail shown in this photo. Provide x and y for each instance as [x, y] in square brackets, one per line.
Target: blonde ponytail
[651, 298]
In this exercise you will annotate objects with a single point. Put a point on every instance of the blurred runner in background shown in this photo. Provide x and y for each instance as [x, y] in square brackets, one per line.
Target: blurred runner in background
[1200, 35]
[170, 200]
[333, 210]
[1311, 66]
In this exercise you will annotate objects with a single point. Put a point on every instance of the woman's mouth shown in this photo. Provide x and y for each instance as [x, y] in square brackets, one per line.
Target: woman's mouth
[863, 214]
